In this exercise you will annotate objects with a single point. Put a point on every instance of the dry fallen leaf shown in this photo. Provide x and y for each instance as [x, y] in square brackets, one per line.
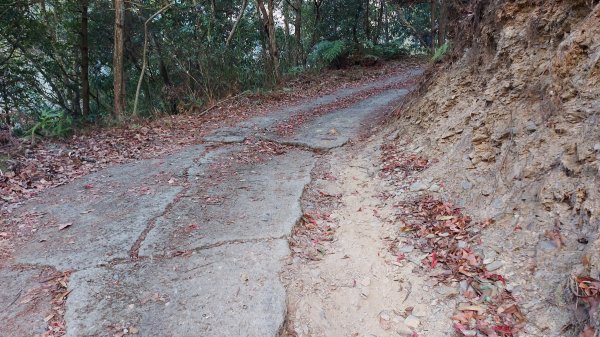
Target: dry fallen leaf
[65, 225]
[588, 331]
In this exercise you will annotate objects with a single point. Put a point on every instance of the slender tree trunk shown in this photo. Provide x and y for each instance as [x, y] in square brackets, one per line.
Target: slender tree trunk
[367, 20]
[443, 22]
[317, 8]
[298, 32]
[237, 22]
[287, 37]
[118, 78]
[85, 59]
[269, 28]
[433, 36]
[379, 22]
[387, 25]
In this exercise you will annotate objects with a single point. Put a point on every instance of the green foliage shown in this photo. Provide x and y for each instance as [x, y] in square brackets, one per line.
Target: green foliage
[328, 54]
[295, 71]
[52, 124]
[188, 60]
[387, 51]
[440, 52]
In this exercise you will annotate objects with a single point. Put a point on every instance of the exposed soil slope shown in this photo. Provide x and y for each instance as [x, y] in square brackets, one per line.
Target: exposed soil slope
[511, 129]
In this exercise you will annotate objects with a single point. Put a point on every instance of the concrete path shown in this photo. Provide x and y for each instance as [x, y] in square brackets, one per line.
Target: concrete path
[187, 245]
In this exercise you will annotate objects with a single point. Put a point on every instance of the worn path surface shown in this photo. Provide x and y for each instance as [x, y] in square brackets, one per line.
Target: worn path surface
[187, 245]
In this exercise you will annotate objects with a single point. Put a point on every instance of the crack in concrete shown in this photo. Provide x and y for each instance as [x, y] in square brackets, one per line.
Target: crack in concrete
[135, 248]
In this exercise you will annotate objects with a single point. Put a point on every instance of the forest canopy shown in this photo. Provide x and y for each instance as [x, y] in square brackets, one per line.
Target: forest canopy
[67, 63]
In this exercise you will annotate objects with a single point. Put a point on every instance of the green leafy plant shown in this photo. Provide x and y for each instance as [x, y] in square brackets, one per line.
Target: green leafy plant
[328, 53]
[52, 123]
[440, 52]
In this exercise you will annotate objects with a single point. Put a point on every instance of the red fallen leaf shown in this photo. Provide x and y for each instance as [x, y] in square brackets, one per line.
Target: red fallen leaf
[459, 327]
[434, 260]
[495, 277]
[414, 334]
[400, 257]
[88, 186]
[503, 329]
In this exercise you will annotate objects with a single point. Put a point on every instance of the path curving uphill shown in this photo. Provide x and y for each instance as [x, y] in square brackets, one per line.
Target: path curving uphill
[187, 245]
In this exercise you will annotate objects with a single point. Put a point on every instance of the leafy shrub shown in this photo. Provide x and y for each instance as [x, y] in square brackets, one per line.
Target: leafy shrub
[295, 71]
[52, 124]
[328, 54]
[388, 51]
[440, 52]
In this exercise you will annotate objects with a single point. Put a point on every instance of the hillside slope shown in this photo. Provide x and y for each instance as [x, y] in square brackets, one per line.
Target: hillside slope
[512, 126]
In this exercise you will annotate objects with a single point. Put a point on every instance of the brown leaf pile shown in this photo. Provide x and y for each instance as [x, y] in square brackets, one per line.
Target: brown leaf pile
[310, 234]
[57, 285]
[587, 291]
[448, 236]
[443, 231]
[396, 161]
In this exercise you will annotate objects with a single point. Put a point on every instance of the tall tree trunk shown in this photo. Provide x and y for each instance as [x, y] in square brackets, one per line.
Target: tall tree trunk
[387, 25]
[269, 28]
[379, 22]
[118, 78]
[287, 37]
[317, 8]
[298, 32]
[433, 36]
[237, 22]
[85, 59]
[442, 23]
[367, 20]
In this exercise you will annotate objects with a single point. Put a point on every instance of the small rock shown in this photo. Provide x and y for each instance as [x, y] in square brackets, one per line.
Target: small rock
[489, 255]
[547, 246]
[531, 126]
[403, 330]
[435, 188]
[494, 266]
[466, 185]
[462, 244]
[406, 249]
[498, 203]
[418, 186]
[412, 321]
[364, 293]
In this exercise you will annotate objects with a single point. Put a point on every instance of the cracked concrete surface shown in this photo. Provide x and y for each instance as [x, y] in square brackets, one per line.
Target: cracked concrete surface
[165, 248]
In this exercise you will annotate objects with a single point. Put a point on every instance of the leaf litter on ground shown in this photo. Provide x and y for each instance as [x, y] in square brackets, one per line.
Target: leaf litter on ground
[448, 237]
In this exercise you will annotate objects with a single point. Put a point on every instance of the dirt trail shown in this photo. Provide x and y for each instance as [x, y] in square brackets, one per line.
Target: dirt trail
[357, 287]
[191, 244]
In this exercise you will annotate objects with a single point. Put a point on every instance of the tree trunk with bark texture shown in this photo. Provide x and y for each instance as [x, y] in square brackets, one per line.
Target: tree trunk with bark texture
[379, 22]
[317, 8]
[298, 32]
[433, 37]
[85, 59]
[236, 24]
[118, 78]
[266, 14]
